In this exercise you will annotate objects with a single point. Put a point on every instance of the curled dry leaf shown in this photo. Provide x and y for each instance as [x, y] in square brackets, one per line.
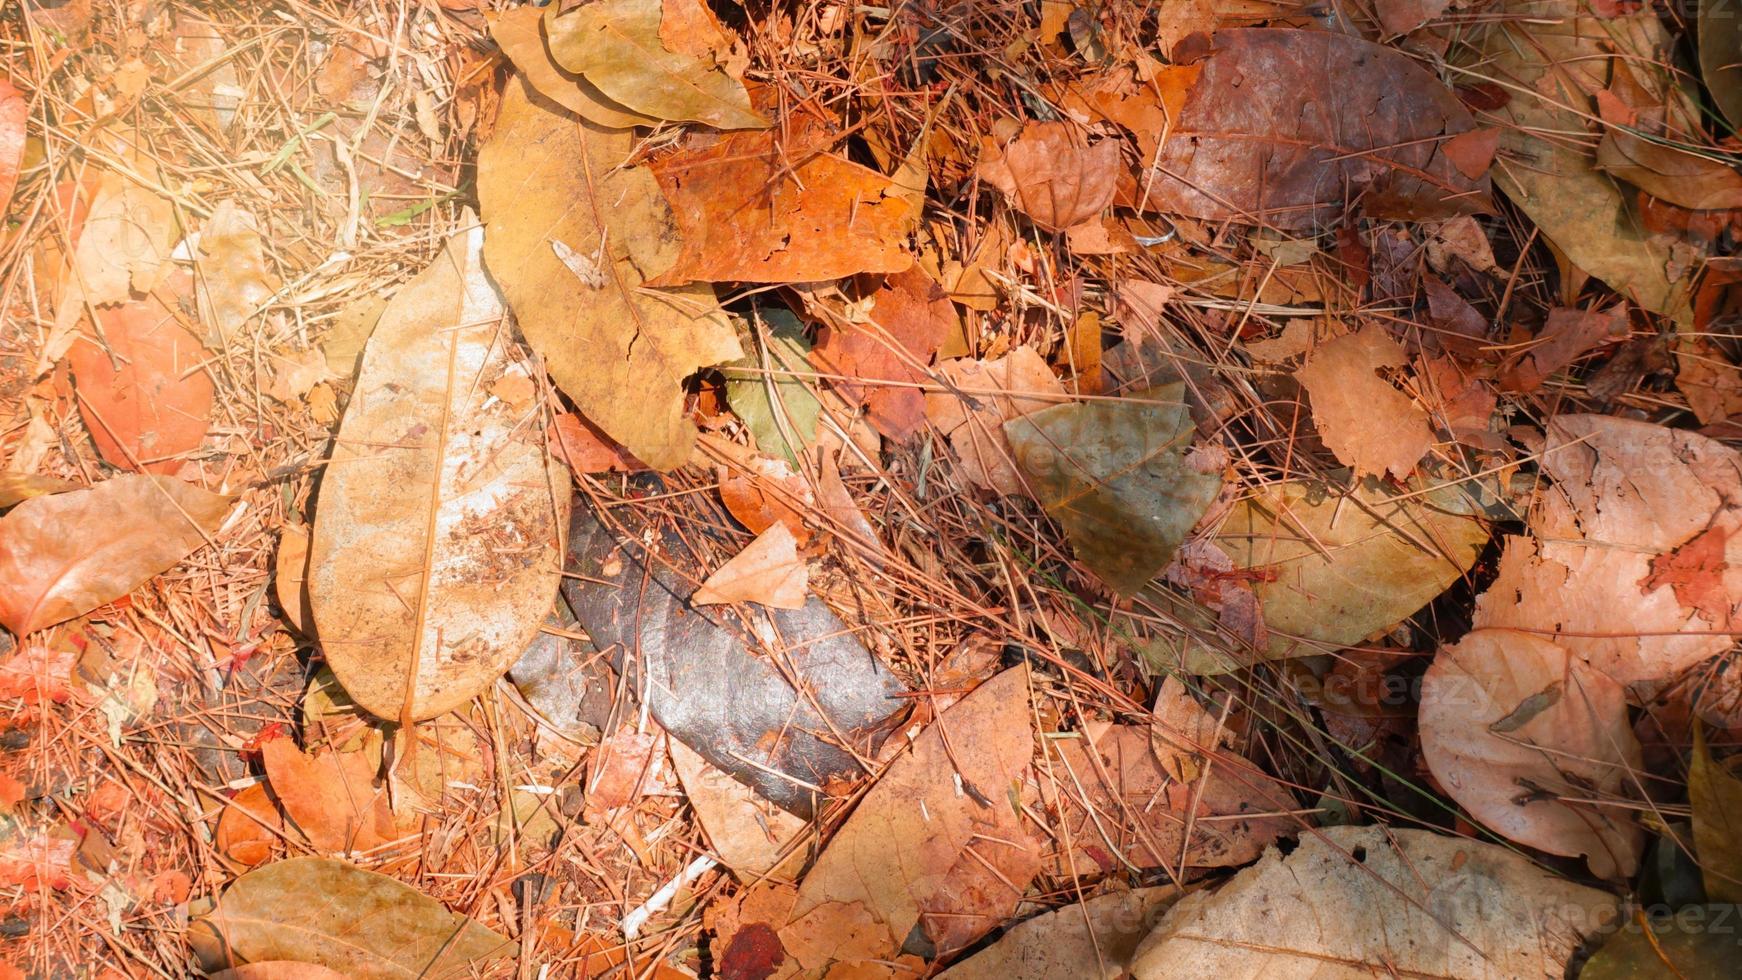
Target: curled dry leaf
[1524, 736]
[519, 32]
[143, 392]
[437, 544]
[65, 555]
[757, 207]
[1636, 566]
[936, 841]
[1114, 475]
[364, 925]
[1093, 939]
[546, 176]
[1374, 901]
[1241, 149]
[768, 571]
[1049, 174]
[982, 396]
[1330, 570]
[235, 281]
[616, 45]
[1366, 422]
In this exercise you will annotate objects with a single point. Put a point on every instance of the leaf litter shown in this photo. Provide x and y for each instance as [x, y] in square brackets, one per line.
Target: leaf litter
[1103, 518]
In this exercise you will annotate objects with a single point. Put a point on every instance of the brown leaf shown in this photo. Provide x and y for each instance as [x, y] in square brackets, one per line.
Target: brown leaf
[1051, 176]
[65, 555]
[1696, 571]
[585, 449]
[144, 395]
[1129, 807]
[765, 493]
[627, 766]
[290, 577]
[1242, 149]
[768, 571]
[771, 207]
[882, 361]
[233, 275]
[437, 541]
[15, 488]
[618, 46]
[362, 924]
[1567, 336]
[904, 850]
[331, 796]
[519, 32]
[985, 395]
[1369, 424]
[249, 827]
[751, 836]
[546, 177]
[1523, 735]
[1104, 930]
[1379, 901]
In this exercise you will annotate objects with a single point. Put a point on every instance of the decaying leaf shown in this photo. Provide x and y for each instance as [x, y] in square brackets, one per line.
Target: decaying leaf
[1367, 422]
[1049, 174]
[143, 391]
[936, 842]
[519, 32]
[1552, 55]
[768, 571]
[234, 278]
[762, 207]
[719, 686]
[1616, 572]
[122, 247]
[617, 46]
[1241, 148]
[751, 836]
[437, 543]
[548, 176]
[983, 395]
[1715, 794]
[65, 555]
[1524, 736]
[362, 924]
[1114, 474]
[1567, 336]
[1092, 939]
[1363, 901]
[1330, 570]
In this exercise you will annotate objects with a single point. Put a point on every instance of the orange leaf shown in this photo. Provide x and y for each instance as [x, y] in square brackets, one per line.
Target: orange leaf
[585, 449]
[768, 571]
[911, 318]
[246, 827]
[330, 796]
[1366, 422]
[1051, 176]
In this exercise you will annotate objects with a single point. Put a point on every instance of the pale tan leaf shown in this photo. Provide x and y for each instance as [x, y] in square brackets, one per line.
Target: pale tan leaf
[768, 571]
[1093, 939]
[1369, 424]
[983, 395]
[751, 836]
[1352, 903]
[234, 278]
[519, 32]
[437, 542]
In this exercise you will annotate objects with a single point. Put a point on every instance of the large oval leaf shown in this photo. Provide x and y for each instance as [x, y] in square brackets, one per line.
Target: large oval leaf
[437, 542]
[64, 555]
[362, 924]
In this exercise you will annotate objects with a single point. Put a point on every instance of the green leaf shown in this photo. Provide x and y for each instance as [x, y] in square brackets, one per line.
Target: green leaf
[1716, 797]
[765, 400]
[1115, 477]
[615, 44]
[1333, 569]
[1693, 943]
[365, 925]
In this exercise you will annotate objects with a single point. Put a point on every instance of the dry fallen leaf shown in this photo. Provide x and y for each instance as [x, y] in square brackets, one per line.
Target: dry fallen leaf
[437, 542]
[519, 32]
[1355, 902]
[249, 827]
[364, 925]
[1049, 174]
[1093, 939]
[143, 390]
[768, 571]
[751, 836]
[881, 362]
[65, 555]
[290, 577]
[617, 46]
[547, 176]
[14, 113]
[235, 281]
[768, 207]
[1524, 736]
[331, 796]
[1241, 149]
[1567, 336]
[935, 842]
[982, 396]
[1365, 421]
